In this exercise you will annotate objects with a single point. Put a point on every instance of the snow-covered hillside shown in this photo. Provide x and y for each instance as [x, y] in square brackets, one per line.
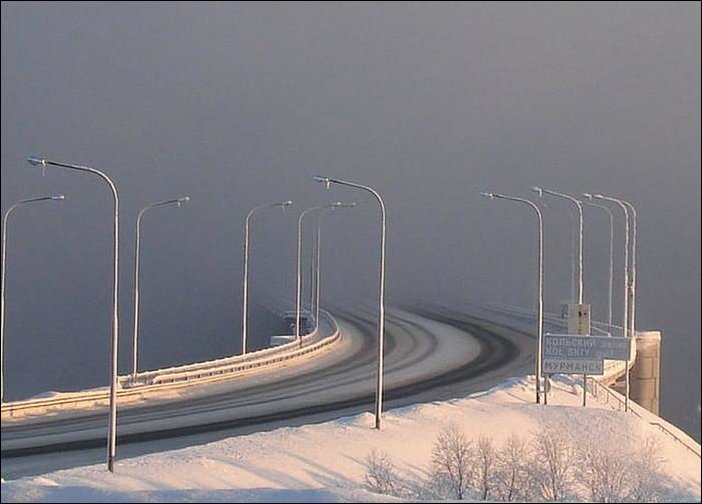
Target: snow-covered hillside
[328, 462]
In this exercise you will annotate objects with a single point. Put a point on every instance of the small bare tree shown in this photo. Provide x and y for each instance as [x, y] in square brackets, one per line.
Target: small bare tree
[604, 469]
[613, 471]
[551, 467]
[380, 473]
[452, 462]
[646, 463]
[512, 470]
[486, 461]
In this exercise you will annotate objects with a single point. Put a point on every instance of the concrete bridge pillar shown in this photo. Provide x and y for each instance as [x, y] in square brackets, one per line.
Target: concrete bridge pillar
[645, 383]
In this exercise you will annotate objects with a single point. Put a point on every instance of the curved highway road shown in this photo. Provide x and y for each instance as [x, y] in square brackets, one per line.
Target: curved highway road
[431, 354]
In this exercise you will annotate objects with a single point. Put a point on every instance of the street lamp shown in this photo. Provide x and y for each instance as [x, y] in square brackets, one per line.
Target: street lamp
[632, 287]
[298, 296]
[625, 323]
[611, 255]
[318, 240]
[579, 204]
[137, 256]
[381, 297]
[540, 287]
[245, 296]
[112, 428]
[56, 197]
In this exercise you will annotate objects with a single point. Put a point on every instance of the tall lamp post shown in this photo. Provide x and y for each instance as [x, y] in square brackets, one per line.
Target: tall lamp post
[579, 206]
[112, 428]
[632, 288]
[137, 260]
[540, 286]
[245, 288]
[611, 255]
[56, 197]
[381, 297]
[318, 241]
[298, 290]
[625, 323]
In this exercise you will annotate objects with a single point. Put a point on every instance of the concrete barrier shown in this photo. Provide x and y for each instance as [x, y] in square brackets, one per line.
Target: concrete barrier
[644, 380]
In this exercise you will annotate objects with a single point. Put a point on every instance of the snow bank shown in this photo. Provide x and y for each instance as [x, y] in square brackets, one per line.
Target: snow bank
[326, 462]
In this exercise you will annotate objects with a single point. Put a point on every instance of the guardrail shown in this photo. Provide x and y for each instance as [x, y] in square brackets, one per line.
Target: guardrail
[612, 398]
[233, 364]
[553, 319]
[183, 376]
[273, 355]
[695, 450]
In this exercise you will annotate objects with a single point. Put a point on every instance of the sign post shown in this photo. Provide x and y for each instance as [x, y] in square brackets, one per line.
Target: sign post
[579, 323]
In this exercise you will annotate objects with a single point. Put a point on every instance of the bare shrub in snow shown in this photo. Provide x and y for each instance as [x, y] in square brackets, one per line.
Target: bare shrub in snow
[380, 473]
[551, 467]
[604, 470]
[512, 470]
[645, 476]
[610, 471]
[558, 465]
[453, 462]
[486, 461]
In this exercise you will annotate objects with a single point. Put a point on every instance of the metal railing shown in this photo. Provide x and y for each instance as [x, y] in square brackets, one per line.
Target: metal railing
[606, 395]
[182, 376]
[679, 440]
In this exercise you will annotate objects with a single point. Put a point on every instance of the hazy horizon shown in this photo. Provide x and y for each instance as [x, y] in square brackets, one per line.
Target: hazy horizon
[240, 104]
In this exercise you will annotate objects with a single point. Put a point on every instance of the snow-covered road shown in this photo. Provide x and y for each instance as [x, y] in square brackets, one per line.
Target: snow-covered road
[435, 355]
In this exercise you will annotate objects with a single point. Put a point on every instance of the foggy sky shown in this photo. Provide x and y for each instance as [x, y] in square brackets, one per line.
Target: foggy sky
[238, 105]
